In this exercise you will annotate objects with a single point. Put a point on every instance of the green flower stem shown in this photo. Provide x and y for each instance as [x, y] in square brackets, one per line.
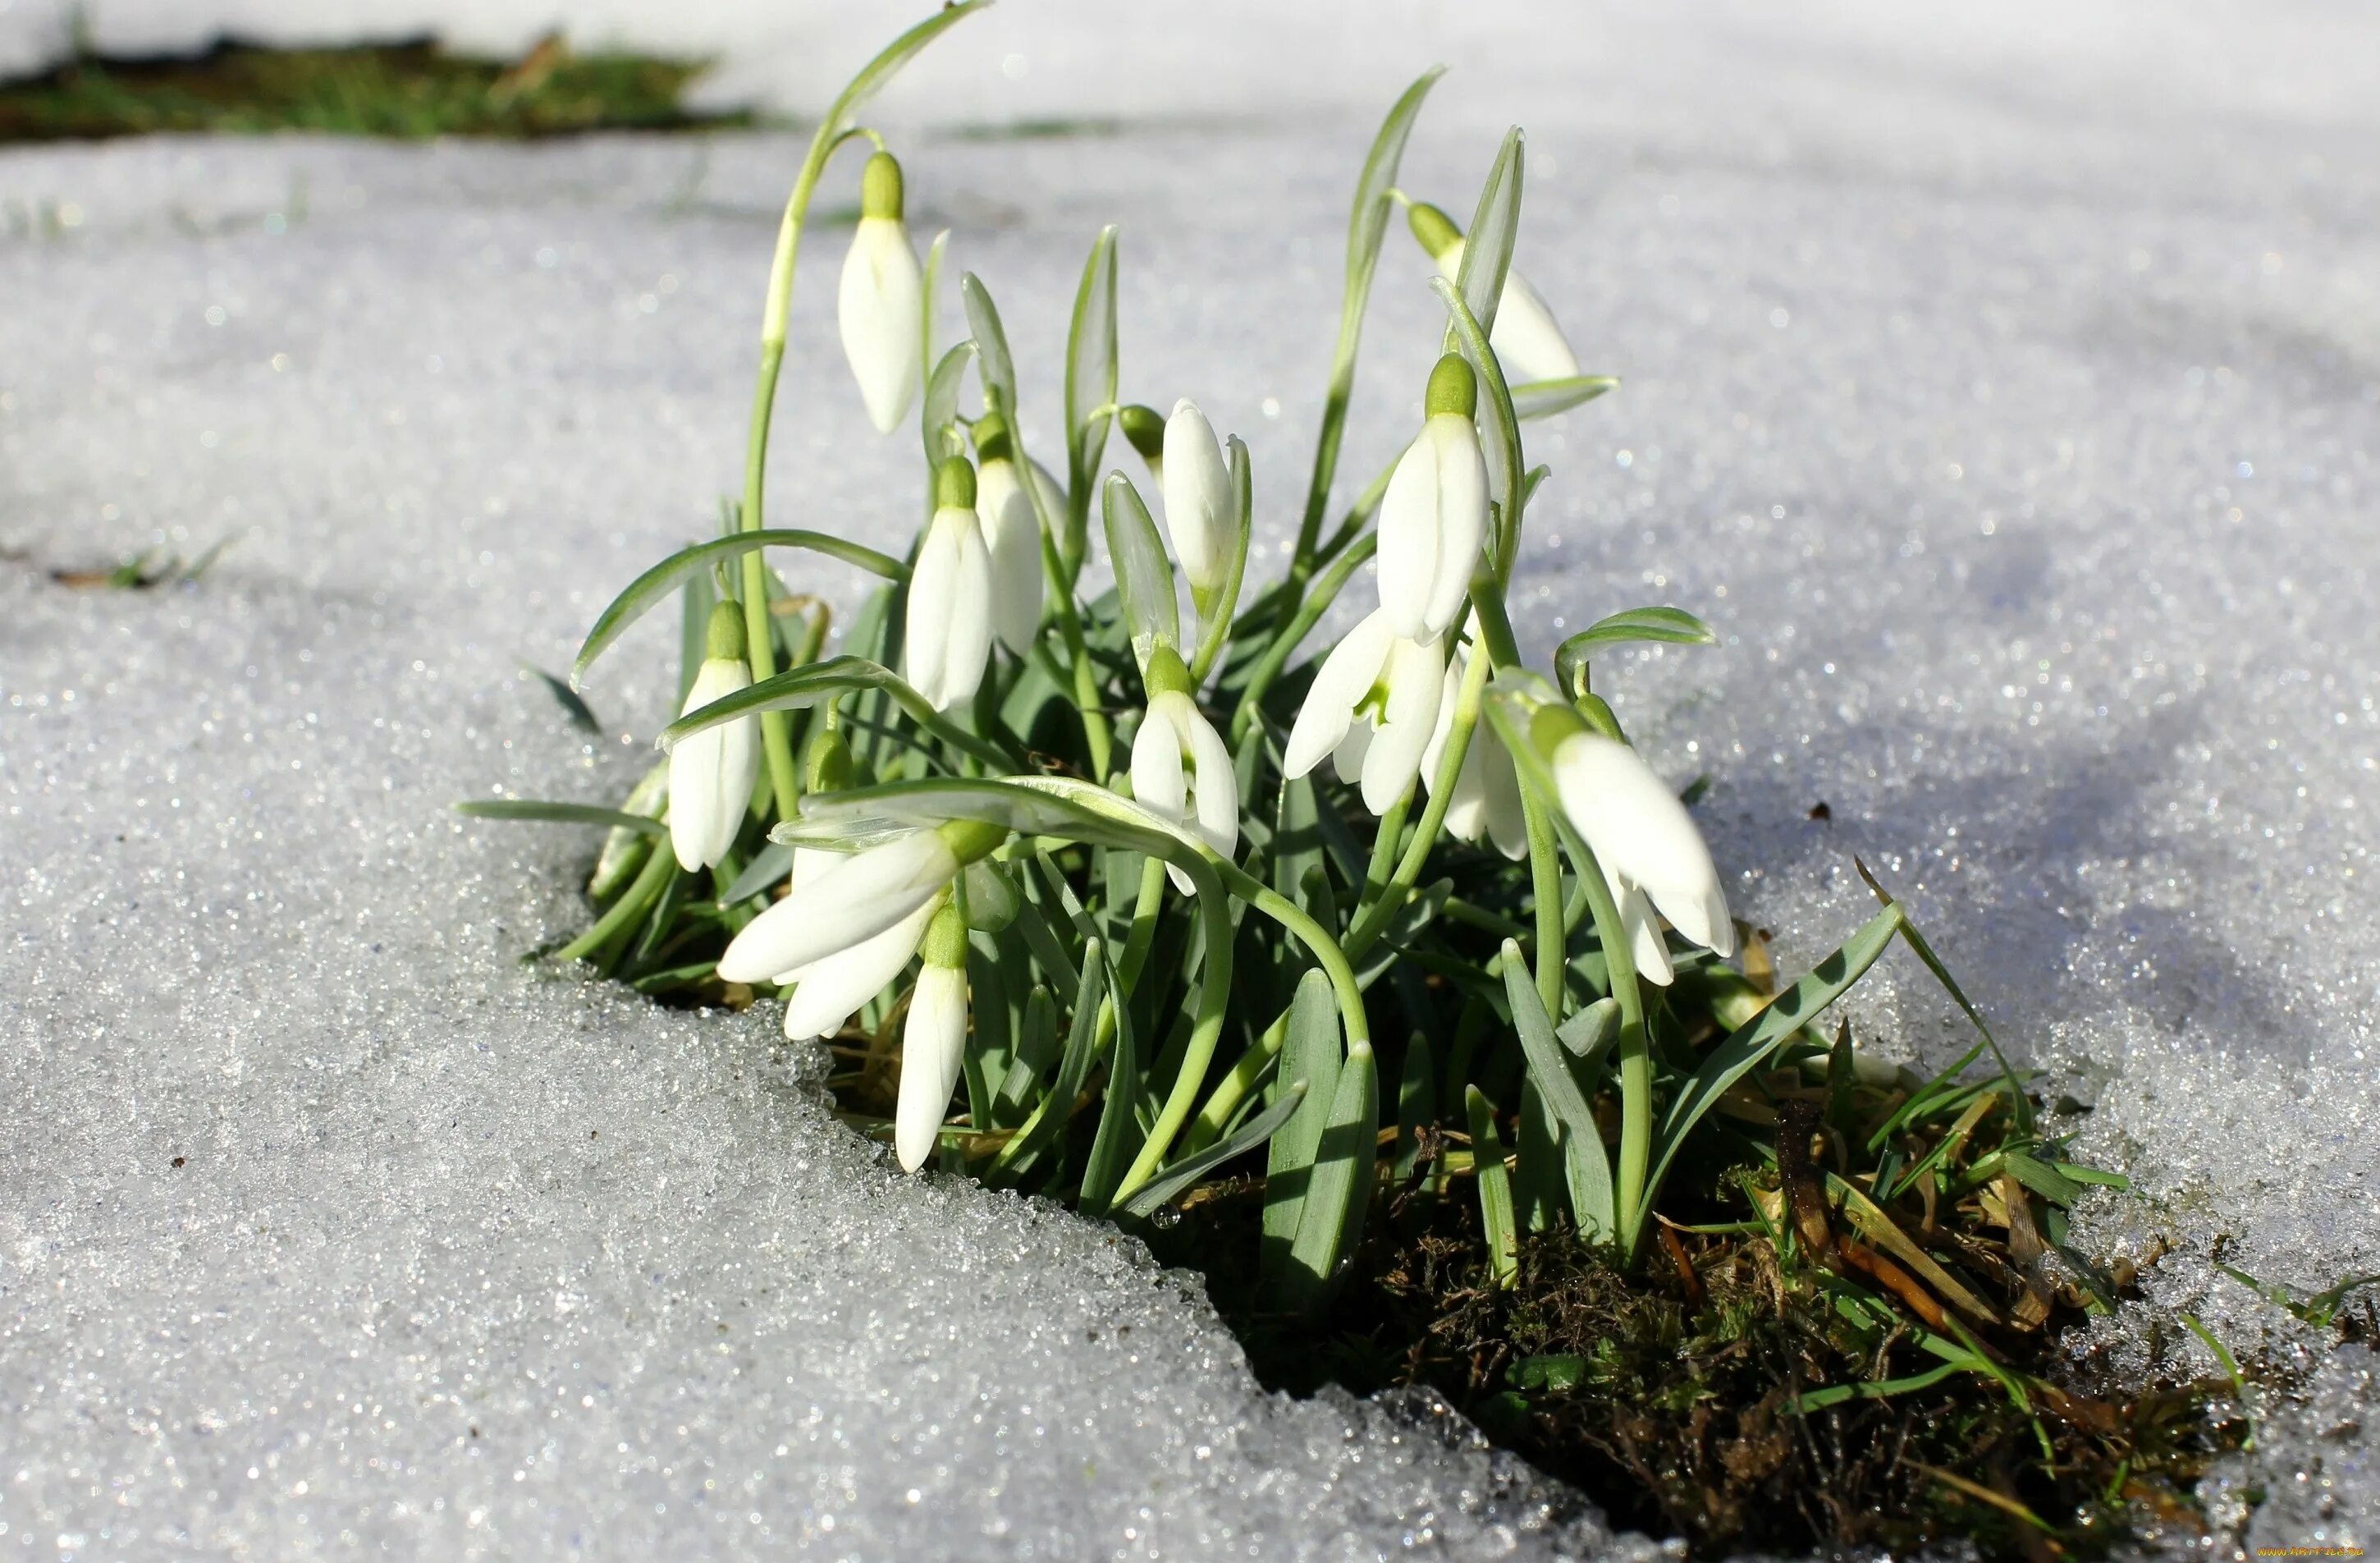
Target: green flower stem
[1375, 920]
[649, 882]
[1233, 1087]
[1277, 655]
[1487, 921]
[921, 711]
[1214, 1004]
[1385, 838]
[1096, 734]
[1144, 914]
[776, 730]
[1633, 1050]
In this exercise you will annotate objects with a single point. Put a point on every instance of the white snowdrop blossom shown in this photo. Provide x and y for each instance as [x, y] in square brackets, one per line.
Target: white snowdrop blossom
[1012, 536]
[712, 774]
[1527, 342]
[933, 1042]
[1181, 769]
[1434, 517]
[1652, 855]
[1373, 707]
[834, 913]
[1201, 520]
[948, 630]
[880, 305]
[1486, 800]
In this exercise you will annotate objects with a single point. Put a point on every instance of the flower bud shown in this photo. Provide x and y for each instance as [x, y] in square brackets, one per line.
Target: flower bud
[880, 305]
[1201, 518]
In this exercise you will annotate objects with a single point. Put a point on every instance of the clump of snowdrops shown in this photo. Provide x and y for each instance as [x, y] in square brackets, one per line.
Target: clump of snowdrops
[1120, 894]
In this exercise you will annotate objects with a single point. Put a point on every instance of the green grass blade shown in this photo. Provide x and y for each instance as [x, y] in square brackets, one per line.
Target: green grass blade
[1664, 626]
[657, 582]
[1339, 1193]
[1876, 1388]
[1144, 575]
[559, 814]
[999, 369]
[1119, 1136]
[2018, 1102]
[1366, 225]
[1153, 1195]
[1311, 1057]
[1587, 1167]
[1495, 1189]
[1495, 228]
[1091, 371]
[581, 714]
[1759, 1037]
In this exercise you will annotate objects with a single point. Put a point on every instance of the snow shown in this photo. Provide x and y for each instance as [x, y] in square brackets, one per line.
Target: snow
[2008, 395]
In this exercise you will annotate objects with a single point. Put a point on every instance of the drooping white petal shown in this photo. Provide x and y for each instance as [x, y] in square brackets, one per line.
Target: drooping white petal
[1200, 517]
[855, 901]
[1346, 676]
[827, 992]
[1461, 516]
[881, 306]
[1215, 783]
[1412, 676]
[947, 635]
[1642, 835]
[1526, 341]
[1645, 945]
[1408, 531]
[1499, 785]
[711, 775]
[933, 1044]
[1158, 778]
[1012, 536]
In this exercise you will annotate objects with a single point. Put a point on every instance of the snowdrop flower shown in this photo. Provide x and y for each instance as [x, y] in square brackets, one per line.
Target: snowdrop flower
[1527, 342]
[1651, 853]
[881, 303]
[1201, 519]
[933, 1044]
[948, 637]
[1011, 535]
[1392, 684]
[1434, 517]
[849, 924]
[1486, 798]
[712, 774]
[1145, 431]
[1179, 766]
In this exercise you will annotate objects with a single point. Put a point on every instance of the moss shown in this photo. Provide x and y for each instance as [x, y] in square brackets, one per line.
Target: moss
[408, 90]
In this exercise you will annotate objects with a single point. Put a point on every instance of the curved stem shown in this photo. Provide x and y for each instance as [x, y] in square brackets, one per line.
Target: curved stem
[776, 731]
[1315, 937]
[1144, 914]
[1214, 1001]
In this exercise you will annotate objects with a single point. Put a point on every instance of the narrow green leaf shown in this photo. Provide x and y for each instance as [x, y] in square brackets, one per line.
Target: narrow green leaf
[1589, 1031]
[1587, 1166]
[1144, 575]
[1339, 1193]
[559, 814]
[939, 422]
[1091, 363]
[1876, 1388]
[1543, 398]
[770, 865]
[1758, 1038]
[1668, 626]
[1366, 225]
[1018, 1155]
[1119, 1136]
[1160, 1192]
[1309, 1057]
[1495, 1189]
[2042, 1179]
[878, 71]
[657, 582]
[991, 344]
[1495, 227]
[1036, 1048]
[1417, 1101]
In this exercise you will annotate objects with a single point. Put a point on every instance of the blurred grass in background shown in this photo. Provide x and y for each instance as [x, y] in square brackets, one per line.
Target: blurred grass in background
[407, 91]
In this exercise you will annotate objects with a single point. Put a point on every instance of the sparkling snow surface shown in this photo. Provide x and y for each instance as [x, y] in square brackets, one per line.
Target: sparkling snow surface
[2009, 398]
